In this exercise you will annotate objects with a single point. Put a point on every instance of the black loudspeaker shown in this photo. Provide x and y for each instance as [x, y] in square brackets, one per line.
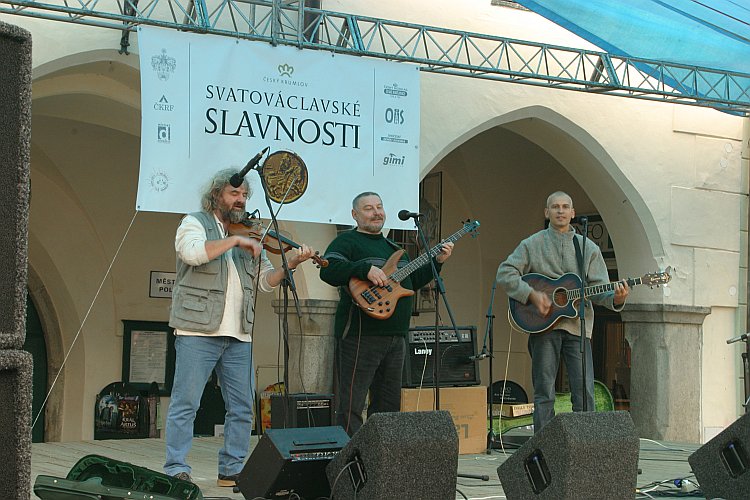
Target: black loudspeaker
[456, 366]
[721, 465]
[16, 368]
[301, 410]
[398, 455]
[583, 455]
[15, 108]
[291, 460]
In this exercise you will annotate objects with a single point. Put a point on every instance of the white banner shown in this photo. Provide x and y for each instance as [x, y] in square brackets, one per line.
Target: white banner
[211, 102]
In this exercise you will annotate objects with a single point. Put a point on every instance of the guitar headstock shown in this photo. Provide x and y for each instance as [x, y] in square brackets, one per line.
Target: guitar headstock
[471, 227]
[658, 279]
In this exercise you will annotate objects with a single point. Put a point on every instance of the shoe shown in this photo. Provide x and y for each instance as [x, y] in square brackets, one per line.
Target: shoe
[183, 476]
[227, 481]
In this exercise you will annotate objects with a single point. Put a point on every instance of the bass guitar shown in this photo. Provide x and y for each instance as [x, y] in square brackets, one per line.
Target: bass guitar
[565, 293]
[379, 302]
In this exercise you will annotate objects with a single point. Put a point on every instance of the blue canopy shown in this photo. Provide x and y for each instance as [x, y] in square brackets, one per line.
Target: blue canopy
[706, 33]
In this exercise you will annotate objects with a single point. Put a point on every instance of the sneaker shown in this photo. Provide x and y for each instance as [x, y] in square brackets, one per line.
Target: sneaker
[183, 476]
[227, 481]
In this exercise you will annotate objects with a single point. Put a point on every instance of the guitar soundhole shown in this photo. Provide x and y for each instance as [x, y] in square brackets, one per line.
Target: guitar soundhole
[560, 298]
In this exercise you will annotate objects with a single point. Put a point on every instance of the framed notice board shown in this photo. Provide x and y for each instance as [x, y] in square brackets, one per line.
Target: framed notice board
[148, 355]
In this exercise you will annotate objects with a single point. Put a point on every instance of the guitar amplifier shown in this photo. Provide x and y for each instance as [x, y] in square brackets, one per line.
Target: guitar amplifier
[301, 410]
[456, 366]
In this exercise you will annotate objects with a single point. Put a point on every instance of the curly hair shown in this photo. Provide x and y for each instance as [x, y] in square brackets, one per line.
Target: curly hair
[212, 191]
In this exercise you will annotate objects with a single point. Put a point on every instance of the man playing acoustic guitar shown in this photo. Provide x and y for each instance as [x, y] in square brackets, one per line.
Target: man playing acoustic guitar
[370, 351]
[551, 252]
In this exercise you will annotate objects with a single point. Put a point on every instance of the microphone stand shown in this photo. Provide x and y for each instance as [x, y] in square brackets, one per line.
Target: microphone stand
[582, 311]
[436, 365]
[488, 333]
[287, 284]
[441, 289]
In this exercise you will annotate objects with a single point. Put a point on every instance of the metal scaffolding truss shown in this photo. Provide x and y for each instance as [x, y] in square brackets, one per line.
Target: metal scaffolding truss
[434, 49]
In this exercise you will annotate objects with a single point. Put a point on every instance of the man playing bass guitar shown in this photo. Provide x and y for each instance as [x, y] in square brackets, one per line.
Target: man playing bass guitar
[551, 252]
[370, 351]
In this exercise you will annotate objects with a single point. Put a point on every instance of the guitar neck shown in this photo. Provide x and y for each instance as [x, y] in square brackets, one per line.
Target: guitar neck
[597, 289]
[412, 266]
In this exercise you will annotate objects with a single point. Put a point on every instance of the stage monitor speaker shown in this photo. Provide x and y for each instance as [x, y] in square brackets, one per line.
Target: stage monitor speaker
[289, 461]
[16, 369]
[398, 455]
[722, 465]
[456, 366]
[15, 108]
[583, 455]
[301, 410]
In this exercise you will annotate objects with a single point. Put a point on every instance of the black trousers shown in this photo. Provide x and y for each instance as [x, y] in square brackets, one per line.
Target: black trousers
[371, 364]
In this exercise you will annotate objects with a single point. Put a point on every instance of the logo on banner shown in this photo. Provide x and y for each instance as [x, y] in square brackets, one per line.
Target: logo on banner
[163, 65]
[285, 175]
[394, 116]
[285, 76]
[392, 159]
[159, 181]
[163, 132]
[395, 91]
[394, 138]
[163, 105]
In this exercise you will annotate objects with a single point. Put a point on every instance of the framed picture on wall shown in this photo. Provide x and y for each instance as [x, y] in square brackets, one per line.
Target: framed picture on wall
[148, 355]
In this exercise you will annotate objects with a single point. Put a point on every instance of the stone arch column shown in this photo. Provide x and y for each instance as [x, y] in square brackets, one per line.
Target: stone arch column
[666, 351]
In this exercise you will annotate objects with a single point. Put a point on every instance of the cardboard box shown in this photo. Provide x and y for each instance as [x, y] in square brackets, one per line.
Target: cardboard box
[517, 410]
[467, 406]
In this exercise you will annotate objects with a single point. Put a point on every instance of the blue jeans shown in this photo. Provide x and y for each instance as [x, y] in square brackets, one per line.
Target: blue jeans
[368, 363]
[545, 350]
[196, 357]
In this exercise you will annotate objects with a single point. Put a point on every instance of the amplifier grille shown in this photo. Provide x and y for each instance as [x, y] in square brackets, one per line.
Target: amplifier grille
[456, 366]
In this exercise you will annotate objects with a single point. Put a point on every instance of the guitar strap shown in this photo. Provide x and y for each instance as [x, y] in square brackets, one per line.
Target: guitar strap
[579, 257]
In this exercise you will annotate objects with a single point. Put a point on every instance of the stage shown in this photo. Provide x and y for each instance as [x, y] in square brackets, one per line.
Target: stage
[657, 461]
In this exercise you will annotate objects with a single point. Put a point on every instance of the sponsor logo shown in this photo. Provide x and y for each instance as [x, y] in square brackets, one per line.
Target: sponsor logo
[163, 65]
[395, 91]
[163, 104]
[159, 181]
[286, 70]
[394, 116]
[285, 77]
[394, 138]
[163, 132]
[392, 159]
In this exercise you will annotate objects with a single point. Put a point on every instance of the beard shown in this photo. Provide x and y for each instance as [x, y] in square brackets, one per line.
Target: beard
[374, 226]
[233, 215]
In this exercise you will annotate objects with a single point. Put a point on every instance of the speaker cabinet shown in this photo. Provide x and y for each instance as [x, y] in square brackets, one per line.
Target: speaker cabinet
[721, 465]
[291, 460]
[301, 410]
[15, 422]
[456, 366]
[398, 455]
[15, 109]
[583, 455]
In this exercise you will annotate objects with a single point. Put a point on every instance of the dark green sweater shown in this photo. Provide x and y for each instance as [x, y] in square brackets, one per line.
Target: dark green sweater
[350, 255]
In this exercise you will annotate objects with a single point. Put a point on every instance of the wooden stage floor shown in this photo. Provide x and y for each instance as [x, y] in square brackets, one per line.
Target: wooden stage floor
[657, 461]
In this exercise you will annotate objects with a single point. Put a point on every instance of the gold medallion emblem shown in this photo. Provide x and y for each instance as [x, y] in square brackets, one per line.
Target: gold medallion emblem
[285, 175]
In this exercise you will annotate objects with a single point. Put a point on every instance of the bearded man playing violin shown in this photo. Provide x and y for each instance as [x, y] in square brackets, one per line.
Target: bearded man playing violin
[212, 314]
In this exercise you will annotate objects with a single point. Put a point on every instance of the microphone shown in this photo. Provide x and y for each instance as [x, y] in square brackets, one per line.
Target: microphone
[477, 357]
[580, 219]
[737, 338]
[236, 179]
[406, 215]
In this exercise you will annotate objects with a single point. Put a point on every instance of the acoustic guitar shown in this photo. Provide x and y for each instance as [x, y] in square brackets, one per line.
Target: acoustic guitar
[565, 293]
[379, 302]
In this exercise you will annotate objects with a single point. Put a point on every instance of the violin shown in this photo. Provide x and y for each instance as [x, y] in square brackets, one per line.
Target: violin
[251, 228]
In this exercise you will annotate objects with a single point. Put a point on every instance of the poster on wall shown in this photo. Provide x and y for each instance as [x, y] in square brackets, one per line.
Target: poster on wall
[334, 125]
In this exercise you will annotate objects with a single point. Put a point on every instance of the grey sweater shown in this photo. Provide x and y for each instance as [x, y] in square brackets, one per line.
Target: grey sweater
[552, 253]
